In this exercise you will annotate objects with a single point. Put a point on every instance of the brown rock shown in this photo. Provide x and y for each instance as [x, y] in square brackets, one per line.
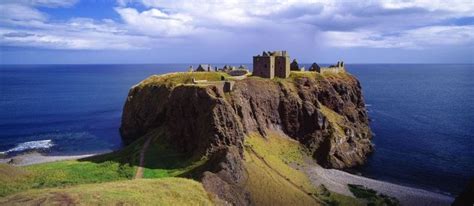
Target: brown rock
[327, 115]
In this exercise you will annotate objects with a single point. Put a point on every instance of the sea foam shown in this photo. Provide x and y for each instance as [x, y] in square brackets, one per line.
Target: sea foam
[31, 145]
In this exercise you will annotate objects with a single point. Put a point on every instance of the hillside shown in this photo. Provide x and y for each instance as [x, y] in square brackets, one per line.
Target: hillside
[323, 113]
[167, 191]
[252, 145]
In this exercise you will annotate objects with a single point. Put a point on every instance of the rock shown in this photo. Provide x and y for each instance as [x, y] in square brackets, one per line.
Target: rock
[238, 72]
[15, 161]
[226, 176]
[327, 115]
[467, 195]
[200, 120]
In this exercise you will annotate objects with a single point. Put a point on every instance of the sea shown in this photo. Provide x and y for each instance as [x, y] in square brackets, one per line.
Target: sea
[422, 115]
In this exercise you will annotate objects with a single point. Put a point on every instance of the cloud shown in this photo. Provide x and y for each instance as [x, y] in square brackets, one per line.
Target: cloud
[419, 38]
[75, 34]
[145, 24]
[43, 3]
[156, 23]
[20, 12]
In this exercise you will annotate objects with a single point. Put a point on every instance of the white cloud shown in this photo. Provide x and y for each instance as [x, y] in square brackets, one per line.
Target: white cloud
[79, 33]
[20, 12]
[414, 39]
[375, 24]
[43, 3]
[156, 23]
[351, 24]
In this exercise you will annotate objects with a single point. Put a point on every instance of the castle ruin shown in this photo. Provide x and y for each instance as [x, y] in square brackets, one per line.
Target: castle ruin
[272, 64]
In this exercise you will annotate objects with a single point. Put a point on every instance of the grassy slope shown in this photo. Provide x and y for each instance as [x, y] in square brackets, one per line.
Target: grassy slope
[271, 164]
[166, 191]
[160, 161]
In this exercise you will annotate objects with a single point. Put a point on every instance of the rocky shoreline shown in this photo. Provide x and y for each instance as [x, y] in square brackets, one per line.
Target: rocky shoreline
[337, 181]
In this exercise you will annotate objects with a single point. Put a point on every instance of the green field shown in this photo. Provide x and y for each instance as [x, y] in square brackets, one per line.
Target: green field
[165, 191]
[161, 160]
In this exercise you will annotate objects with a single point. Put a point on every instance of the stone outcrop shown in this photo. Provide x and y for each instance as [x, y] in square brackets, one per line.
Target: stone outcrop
[326, 114]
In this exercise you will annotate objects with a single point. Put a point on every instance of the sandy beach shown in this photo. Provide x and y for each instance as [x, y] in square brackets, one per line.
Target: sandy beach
[337, 181]
[37, 158]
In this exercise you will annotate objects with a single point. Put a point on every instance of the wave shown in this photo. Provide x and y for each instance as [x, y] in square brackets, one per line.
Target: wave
[32, 145]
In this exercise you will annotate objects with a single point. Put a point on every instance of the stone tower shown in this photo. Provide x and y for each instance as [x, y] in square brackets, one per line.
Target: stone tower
[271, 64]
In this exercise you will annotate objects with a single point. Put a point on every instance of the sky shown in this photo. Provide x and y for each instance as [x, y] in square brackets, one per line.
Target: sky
[231, 31]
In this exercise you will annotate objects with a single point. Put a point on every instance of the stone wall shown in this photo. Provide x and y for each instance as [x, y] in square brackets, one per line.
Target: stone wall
[282, 66]
[264, 66]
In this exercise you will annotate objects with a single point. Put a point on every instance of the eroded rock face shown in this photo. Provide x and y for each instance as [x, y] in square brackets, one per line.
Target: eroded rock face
[326, 114]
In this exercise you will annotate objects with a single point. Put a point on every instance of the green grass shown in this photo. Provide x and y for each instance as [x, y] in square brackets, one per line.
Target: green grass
[338, 75]
[273, 180]
[174, 79]
[372, 197]
[64, 173]
[303, 74]
[166, 191]
[333, 199]
[335, 119]
[12, 178]
[271, 163]
[161, 160]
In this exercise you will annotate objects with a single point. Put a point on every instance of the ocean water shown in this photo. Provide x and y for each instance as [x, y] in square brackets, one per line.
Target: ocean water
[422, 115]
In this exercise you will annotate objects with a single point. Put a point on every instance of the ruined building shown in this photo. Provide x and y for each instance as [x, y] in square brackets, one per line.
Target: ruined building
[315, 68]
[272, 64]
[294, 66]
[204, 68]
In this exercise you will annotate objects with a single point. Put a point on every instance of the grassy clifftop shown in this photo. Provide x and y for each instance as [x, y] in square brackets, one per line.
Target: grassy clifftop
[173, 79]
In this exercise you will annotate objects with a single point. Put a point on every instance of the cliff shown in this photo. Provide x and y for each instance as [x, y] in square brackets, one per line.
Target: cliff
[324, 113]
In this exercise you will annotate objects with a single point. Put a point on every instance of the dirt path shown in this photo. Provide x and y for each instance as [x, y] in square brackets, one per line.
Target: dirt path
[139, 173]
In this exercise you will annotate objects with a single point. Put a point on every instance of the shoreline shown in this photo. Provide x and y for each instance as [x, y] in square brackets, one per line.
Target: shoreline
[38, 158]
[334, 180]
[337, 181]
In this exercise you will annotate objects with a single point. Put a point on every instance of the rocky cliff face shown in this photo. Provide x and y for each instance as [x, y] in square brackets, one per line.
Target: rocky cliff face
[326, 113]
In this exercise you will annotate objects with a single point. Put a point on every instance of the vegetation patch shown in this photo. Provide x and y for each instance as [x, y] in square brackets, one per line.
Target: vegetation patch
[174, 79]
[271, 178]
[161, 160]
[334, 119]
[274, 165]
[372, 197]
[166, 191]
[303, 74]
[334, 199]
[63, 173]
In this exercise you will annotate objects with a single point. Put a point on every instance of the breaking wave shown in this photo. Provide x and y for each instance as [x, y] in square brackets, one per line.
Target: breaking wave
[32, 145]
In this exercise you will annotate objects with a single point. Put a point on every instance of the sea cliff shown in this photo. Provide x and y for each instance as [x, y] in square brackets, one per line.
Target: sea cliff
[325, 113]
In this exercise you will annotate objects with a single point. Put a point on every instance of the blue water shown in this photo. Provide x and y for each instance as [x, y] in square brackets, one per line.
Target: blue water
[422, 115]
